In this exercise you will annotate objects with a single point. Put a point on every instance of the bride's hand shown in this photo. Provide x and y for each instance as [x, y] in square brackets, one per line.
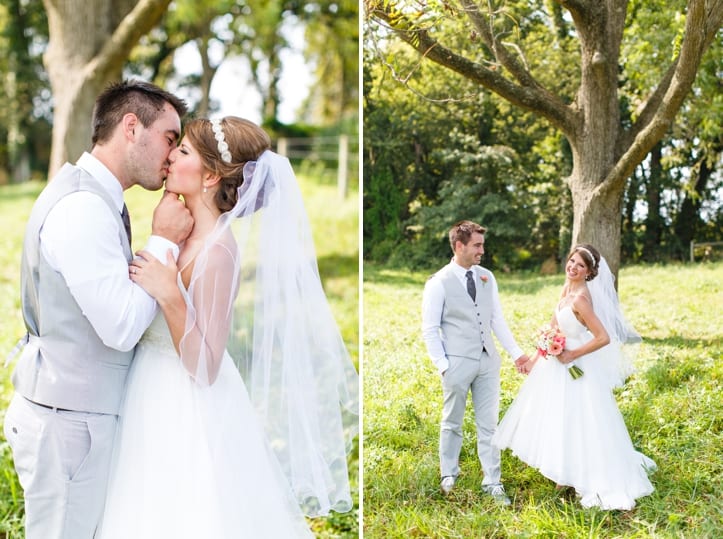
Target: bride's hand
[159, 280]
[565, 357]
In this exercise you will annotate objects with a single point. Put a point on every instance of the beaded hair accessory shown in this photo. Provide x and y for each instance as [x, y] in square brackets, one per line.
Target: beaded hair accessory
[221, 139]
[594, 262]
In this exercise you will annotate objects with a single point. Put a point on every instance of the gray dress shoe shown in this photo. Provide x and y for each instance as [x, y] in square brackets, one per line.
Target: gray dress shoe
[448, 484]
[497, 492]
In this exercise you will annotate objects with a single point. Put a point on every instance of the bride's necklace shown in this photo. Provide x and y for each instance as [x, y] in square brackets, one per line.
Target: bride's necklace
[568, 297]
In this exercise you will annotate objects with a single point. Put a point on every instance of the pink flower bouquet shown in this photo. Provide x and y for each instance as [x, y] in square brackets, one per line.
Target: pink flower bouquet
[551, 341]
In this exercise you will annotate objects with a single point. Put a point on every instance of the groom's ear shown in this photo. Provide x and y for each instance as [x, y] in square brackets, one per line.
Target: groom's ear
[129, 123]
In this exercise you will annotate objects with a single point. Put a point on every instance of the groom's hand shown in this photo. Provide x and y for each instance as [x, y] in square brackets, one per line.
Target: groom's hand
[522, 364]
[171, 219]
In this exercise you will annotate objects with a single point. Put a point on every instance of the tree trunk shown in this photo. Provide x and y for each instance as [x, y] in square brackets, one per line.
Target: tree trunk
[596, 220]
[18, 91]
[90, 40]
[270, 107]
[688, 220]
[653, 221]
[628, 234]
[593, 136]
[208, 72]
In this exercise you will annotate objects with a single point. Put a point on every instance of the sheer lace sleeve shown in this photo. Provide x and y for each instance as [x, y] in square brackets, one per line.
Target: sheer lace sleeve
[210, 298]
[256, 292]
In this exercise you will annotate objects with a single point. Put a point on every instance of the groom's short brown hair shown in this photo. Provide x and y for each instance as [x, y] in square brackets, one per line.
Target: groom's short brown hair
[143, 99]
[462, 231]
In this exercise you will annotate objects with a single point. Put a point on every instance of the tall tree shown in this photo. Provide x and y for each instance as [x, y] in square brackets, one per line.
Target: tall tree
[23, 28]
[202, 22]
[89, 42]
[605, 150]
[335, 95]
[258, 37]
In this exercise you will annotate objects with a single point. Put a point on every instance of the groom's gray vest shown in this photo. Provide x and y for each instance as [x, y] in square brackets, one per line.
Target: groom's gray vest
[65, 364]
[465, 325]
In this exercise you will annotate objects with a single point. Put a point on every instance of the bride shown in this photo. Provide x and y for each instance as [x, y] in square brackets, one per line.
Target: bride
[569, 427]
[201, 451]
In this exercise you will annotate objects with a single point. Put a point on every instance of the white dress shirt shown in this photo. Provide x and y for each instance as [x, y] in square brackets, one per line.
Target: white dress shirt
[78, 239]
[433, 307]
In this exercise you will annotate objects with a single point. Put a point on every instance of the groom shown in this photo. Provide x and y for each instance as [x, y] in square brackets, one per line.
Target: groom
[460, 310]
[83, 314]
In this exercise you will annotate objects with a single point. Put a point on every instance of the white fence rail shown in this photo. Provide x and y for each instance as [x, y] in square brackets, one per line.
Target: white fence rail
[340, 150]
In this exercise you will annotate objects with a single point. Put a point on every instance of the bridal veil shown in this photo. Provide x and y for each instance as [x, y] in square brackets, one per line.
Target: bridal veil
[276, 324]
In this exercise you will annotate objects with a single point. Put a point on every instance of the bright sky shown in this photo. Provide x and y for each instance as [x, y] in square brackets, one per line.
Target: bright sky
[237, 96]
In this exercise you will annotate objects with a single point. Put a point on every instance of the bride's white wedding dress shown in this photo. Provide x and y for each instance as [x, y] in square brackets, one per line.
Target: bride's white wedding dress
[572, 431]
[191, 461]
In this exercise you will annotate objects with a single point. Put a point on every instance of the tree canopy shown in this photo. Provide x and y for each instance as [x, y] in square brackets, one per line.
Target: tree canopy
[55, 71]
[569, 63]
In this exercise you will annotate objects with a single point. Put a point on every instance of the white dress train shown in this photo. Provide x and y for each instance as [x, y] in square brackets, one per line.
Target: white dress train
[572, 431]
[192, 461]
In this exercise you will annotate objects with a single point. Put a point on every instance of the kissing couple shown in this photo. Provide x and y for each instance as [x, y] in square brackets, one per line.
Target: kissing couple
[182, 392]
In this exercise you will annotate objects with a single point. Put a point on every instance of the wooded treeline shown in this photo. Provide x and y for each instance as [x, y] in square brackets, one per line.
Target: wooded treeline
[56, 55]
[523, 116]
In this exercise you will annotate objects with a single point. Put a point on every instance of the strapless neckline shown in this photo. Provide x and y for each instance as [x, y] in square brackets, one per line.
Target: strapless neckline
[568, 322]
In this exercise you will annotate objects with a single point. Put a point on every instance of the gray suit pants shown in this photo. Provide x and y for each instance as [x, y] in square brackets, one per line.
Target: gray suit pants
[482, 379]
[63, 460]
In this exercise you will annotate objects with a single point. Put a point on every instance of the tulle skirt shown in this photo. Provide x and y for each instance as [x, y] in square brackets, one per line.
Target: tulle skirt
[573, 433]
[192, 461]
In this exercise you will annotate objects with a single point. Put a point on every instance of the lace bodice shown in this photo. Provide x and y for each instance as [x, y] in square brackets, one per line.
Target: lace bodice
[157, 334]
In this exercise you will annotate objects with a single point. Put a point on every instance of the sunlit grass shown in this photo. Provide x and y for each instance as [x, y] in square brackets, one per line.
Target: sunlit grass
[672, 407]
[336, 234]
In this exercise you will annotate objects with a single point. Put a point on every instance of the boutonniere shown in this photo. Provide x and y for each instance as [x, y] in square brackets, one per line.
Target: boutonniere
[484, 279]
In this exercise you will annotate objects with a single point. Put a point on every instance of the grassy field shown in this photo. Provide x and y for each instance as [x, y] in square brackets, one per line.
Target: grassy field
[336, 233]
[672, 407]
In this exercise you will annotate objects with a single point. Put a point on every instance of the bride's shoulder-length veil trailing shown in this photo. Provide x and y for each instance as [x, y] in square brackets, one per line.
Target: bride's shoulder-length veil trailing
[623, 337]
[276, 324]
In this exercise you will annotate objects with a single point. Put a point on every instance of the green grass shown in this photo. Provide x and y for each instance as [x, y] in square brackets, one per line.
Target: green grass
[336, 234]
[672, 407]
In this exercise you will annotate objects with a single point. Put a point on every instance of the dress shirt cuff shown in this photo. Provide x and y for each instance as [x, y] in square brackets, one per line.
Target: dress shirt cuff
[515, 352]
[158, 247]
[442, 363]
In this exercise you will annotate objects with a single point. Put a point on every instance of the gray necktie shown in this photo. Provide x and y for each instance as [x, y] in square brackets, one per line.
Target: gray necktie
[126, 222]
[471, 290]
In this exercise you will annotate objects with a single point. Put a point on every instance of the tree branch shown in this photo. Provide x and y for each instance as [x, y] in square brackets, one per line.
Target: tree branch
[530, 96]
[648, 109]
[501, 53]
[576, 6]
[142, 18]
[702, 23]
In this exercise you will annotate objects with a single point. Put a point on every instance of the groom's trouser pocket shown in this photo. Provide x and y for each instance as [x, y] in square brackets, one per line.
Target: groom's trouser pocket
[62, 461]
[23, 431]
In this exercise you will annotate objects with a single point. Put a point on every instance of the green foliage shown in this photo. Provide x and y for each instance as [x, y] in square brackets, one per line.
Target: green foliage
[431, 159]
[335, 225]
[24, 133]
[671, 406]
[416, 111]
[335, 96]
[479, 184]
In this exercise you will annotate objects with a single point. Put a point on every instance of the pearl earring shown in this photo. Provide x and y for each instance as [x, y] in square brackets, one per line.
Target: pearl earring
[205, 190]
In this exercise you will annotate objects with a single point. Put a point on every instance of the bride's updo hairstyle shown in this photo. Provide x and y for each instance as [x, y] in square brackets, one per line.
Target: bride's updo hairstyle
[590, 256]
[246, 142]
